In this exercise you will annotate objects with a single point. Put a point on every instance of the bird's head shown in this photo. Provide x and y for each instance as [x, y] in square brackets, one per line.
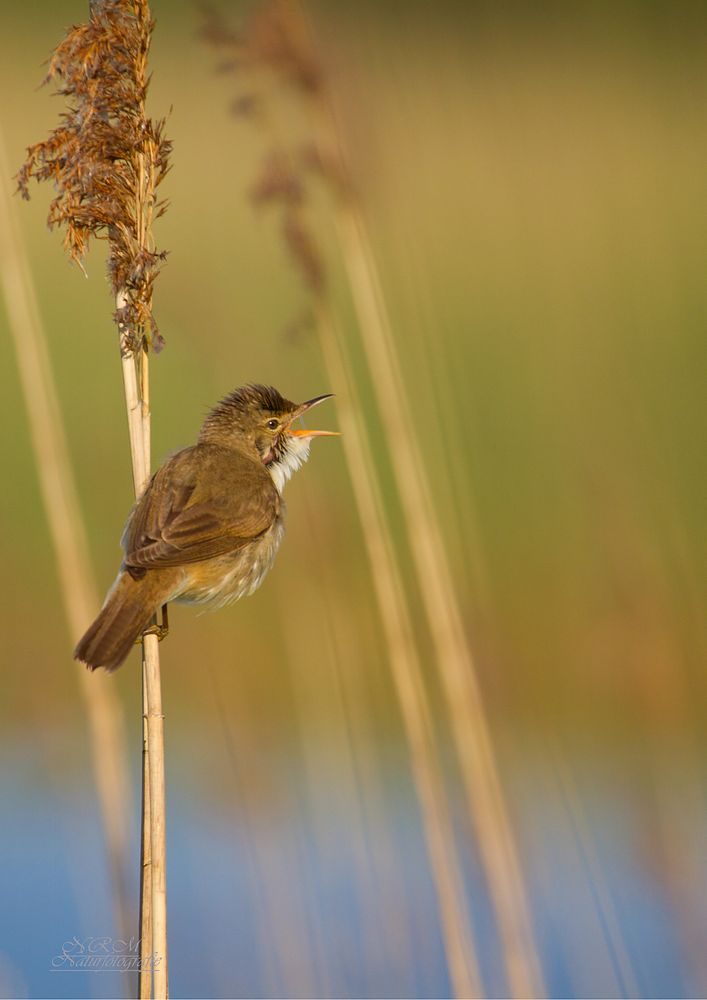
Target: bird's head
[258, 420]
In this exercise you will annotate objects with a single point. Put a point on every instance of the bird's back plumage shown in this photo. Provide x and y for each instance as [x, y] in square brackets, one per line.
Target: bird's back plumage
[205, 501]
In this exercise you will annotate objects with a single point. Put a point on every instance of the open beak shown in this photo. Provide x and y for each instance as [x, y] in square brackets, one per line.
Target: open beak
[301, 409]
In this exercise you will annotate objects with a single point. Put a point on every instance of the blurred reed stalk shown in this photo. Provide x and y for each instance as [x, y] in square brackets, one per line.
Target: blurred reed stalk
[626, 982]
[277, 41]
[78, 586]
[470, 729]
[106, 160]
[279, 182]
[406, 668]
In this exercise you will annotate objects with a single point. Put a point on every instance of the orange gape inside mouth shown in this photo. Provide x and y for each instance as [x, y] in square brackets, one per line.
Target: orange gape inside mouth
[311, 434]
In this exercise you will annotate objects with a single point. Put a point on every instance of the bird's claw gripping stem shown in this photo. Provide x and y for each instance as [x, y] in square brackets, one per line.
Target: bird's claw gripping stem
[161, 631]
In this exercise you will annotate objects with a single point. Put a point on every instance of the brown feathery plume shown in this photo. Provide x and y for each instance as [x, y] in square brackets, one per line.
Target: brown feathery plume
[276, 41]
[106, 160]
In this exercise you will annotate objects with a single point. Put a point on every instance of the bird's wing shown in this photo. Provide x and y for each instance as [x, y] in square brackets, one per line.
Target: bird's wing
[205, 501]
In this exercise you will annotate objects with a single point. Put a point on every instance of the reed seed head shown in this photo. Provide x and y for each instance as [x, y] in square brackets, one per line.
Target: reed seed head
[105, 158]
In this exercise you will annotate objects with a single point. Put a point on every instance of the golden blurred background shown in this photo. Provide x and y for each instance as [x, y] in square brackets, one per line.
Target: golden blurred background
[532, 179]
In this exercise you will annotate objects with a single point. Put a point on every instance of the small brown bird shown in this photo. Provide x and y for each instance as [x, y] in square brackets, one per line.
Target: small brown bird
[211, 519]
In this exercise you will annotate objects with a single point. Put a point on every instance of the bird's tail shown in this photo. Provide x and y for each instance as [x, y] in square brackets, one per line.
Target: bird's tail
[126, 612]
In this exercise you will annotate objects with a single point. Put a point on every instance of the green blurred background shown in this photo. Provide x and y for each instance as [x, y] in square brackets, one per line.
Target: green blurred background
[533, 179]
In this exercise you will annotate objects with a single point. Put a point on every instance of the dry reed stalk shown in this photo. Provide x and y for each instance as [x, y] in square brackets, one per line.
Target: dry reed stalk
[388, 939]
[106, 159]
[470, 729]
[144, 989]
[283, 41]
[153, 883]
[155, 796]
[60, 498]
[278, 41]
[153, 887]
[280, 182]
[406, 669]
[611, 926]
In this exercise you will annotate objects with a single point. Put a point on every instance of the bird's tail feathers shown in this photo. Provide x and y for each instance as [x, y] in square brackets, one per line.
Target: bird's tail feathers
[122, 618]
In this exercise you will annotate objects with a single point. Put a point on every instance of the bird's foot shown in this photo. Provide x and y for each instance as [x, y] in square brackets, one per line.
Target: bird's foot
[161, 630]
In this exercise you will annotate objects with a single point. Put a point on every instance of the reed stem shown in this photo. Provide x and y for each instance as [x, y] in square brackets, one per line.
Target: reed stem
[106, 159]
[406, 668]
[78, 587]
[153, 892]
[455, 663]
[144, 990]
[294, 56]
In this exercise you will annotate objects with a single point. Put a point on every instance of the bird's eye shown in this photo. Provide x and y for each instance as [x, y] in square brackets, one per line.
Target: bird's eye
[273, 424]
